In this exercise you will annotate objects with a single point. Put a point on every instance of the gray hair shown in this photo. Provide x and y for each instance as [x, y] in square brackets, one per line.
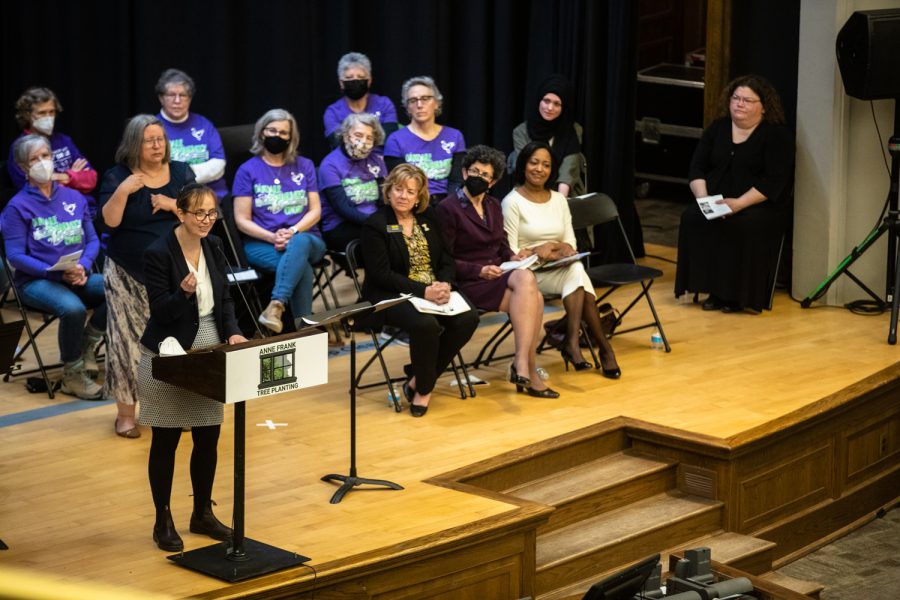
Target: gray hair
[129, 151]
[175, 77]
[367, 119]
[276, 114]
[354, 59]
[25, 146]
[427, 82]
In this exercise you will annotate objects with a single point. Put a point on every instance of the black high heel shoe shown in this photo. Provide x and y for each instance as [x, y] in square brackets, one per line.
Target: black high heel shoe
[610, 373]
[545, 393]
[416, 410]
[579, 365]
[521, 382]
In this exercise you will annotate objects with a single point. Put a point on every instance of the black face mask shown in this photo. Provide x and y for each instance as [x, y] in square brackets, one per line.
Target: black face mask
[275, 144]
[356, 88]
[476, 185]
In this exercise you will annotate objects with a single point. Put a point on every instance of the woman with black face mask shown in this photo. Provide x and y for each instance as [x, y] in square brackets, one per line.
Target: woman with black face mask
[472, 223]
[354, 73]
[276, 207]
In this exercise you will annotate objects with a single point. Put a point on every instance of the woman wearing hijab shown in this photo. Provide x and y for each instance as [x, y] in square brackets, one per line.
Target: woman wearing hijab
[550, 117]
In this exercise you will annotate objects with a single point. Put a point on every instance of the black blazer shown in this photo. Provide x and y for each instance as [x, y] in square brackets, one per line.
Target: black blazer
[386, 258]
[171, 312]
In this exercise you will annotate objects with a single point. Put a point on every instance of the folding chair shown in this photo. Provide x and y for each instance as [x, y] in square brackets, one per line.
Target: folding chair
[597, 209]
[46, 320]
[457, 365]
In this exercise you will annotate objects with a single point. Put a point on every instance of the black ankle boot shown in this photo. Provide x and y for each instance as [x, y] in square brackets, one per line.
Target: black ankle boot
[206, 523]
[164, 533]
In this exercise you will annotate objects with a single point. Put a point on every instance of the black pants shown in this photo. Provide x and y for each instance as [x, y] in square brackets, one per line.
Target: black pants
[433, 340]
[203, 464]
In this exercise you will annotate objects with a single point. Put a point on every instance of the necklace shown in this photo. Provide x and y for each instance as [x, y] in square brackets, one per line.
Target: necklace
[275, 179]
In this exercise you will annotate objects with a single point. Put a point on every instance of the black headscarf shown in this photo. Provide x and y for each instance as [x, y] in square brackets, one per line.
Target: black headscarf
[561, 129]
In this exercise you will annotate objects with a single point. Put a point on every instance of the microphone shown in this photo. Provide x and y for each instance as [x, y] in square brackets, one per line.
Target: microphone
[241, 291]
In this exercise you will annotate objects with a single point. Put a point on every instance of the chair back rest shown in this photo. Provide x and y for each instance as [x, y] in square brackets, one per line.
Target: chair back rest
[236, 141]
[354, 261]
[597, 209]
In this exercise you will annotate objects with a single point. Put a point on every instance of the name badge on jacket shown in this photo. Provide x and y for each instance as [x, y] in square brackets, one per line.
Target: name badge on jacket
[394, 229]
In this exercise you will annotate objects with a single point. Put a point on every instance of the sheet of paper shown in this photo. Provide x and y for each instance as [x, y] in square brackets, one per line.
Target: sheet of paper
[564, 261]
[519, 264]
[66, 261]
[456, 305]
[710, 209]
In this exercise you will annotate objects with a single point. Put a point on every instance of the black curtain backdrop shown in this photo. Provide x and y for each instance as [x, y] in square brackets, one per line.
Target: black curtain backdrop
[103, 59]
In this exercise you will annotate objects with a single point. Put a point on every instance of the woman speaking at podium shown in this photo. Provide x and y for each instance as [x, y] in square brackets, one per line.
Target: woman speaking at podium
[187, 287]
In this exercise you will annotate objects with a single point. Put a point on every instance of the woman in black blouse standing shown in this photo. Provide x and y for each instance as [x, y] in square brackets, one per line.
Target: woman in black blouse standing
[137, 202]
[747, 156]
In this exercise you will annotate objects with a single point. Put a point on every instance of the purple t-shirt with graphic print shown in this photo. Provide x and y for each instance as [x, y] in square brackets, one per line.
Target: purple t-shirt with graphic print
[358, 178]
[196, 141]
[380, 106]
[64, 151]
[279, 195]
[434, 157]
[38, 231]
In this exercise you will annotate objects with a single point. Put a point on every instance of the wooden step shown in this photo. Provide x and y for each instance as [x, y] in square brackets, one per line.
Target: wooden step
[621, 536]
[749, 554]
[601, 485]
[807, 588]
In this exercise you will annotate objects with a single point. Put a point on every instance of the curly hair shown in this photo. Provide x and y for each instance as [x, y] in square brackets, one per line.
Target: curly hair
[486, 156]
[30, 97]
[771, 102]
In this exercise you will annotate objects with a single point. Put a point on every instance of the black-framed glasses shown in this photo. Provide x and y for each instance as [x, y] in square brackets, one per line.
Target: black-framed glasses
[419, 100]
[471, 172]
[203, 216]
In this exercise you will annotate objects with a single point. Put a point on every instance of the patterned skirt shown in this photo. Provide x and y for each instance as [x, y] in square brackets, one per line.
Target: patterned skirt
[127, 312]
[166, 405]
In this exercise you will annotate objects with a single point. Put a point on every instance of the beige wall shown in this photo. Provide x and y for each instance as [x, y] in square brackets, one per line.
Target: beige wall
[841, 181]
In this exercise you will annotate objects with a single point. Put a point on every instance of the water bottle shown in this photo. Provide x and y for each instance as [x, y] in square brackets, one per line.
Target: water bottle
[656, 341]
[543, 374]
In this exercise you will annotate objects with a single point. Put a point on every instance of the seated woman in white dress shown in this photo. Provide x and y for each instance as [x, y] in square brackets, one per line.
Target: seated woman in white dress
[537, 221]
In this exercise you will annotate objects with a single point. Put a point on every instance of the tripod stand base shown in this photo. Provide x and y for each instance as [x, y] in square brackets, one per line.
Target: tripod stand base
[257, 559]
[352, 481]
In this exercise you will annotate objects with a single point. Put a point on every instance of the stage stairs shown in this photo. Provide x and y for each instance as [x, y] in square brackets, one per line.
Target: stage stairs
[615, 510]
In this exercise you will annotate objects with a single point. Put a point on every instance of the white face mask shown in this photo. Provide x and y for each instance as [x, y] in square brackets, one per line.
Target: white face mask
[44, 124]
[41, 171]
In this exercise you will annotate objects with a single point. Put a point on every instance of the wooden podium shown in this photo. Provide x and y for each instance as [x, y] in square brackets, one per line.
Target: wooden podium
[234, 375]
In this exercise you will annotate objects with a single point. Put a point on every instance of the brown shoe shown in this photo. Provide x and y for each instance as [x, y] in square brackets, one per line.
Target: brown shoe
[271, 317]
[132, 433]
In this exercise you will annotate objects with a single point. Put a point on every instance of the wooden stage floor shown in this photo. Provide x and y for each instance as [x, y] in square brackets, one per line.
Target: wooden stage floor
[75, 503]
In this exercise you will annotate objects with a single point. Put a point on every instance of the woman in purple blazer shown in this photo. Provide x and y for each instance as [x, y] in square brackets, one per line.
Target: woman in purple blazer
[472, 223]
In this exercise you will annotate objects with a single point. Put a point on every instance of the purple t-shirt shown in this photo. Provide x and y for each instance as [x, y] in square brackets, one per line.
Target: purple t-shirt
[435, 157]
[279, 195]
[37, 231]
[64, 154]
[380, 106]
[196, 141]
[357, 177]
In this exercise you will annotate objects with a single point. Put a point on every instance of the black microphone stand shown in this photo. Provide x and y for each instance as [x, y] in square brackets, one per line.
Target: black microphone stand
[890, 225]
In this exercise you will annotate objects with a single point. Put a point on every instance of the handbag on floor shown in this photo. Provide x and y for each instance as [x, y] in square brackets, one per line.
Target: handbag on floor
[556, 329]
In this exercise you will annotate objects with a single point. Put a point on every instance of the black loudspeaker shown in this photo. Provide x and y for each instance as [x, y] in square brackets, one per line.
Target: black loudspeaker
[868, 50]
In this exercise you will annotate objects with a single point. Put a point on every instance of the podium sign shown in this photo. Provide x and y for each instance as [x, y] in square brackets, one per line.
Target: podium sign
[254, 369]
[276, 367]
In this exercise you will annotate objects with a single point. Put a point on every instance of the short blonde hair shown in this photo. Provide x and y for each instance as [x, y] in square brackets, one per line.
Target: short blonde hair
[402, 173]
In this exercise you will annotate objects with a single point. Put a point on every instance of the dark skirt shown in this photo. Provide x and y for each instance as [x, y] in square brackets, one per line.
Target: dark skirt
[732, 258]
[486, 294]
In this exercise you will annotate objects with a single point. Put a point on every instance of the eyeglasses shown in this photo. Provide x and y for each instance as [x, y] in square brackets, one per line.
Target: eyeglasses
[202, 216]
[270, 131]
[419, 100]
[161, 141]
[743, 100]
[174, 96]
[484, 175]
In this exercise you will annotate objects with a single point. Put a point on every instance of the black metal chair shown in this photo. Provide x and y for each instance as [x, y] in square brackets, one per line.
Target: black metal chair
[457, 366]
[46, 320]
[597, 209]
